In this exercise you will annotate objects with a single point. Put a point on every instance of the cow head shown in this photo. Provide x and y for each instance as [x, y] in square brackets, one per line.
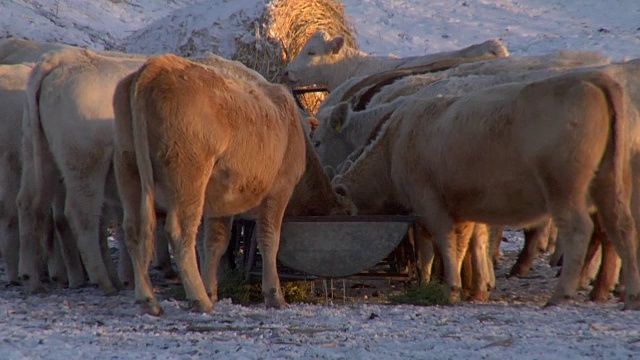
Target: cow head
[329, 142]
[319, 50]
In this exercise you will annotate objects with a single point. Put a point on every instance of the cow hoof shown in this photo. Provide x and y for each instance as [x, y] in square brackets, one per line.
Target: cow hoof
[77, 283]
[518, 271]
[13, 283]
[201, 306]
[632, 302]
[274, 299]
[454, 295]
[558, 300]
[480, 296]
[150, 307]
[598, 295]
[109, 290]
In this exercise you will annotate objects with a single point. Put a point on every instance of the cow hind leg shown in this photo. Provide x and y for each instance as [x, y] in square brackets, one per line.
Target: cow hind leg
[182, 227]
[609, 268]
[483, 276]
[217, 232]
[533, 237]
[10, 247]
[67, 242]
[271, 212]
[83, 211]
[138, 248]
[34, 212]
[619, 226]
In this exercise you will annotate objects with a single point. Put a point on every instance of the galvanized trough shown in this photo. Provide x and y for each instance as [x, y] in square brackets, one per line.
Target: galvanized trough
[338, 246]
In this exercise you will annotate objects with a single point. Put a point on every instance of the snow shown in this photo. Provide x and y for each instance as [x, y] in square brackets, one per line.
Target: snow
[78, 323]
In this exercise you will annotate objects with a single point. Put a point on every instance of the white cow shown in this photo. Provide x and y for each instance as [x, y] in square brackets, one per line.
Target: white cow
[326, 61]
[555, 143]
[13, 83]
[57, 253]
[341, 130]
[70, 119]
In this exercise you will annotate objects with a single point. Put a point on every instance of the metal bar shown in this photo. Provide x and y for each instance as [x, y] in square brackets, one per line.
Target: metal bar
[352, 218]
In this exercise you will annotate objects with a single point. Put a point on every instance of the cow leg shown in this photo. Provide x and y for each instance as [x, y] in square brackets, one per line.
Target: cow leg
[609, 268]
[271, 212]
[10, 247]
[34, 212]
[139, 247]
[533, 237]
[575, 227]
[55, 263]
[426, 252]
[162, 256]
[616, 217]
[465, 268]
[481, 263]
[67, 242]
[105, 252]
[9, 235]
[83, 211]
[125, 265]
[217, 233]
[441, 226]
[594, 255]
[181, 226]
[495, 238]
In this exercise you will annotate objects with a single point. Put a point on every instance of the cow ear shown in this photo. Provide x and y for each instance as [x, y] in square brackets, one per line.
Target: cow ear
[341, 190]
[313, 124]
[329, 171]
[338, 115]
[336, 44]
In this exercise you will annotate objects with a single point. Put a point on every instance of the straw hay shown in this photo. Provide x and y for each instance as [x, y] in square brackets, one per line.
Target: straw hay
[284, 29]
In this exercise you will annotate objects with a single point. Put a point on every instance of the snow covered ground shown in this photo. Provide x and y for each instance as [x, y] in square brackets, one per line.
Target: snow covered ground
[81, 323]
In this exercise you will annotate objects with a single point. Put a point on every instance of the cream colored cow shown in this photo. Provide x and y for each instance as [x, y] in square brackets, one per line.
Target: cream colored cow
[555, 143]
[326, 61]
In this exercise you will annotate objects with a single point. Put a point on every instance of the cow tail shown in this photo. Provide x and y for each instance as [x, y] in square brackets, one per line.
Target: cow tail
[619, 133]
[36, 144]
[145, 170]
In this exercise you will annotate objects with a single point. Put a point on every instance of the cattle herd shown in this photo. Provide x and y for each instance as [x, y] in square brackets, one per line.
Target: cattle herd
[469, 141]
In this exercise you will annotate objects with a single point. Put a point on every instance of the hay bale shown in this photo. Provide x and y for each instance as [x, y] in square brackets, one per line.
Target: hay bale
[283, 30]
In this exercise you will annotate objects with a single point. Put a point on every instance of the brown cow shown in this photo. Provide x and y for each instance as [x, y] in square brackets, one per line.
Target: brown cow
[440, 156]
[198, 143]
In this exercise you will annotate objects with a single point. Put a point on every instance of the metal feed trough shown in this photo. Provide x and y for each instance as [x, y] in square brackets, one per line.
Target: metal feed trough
[338, 246]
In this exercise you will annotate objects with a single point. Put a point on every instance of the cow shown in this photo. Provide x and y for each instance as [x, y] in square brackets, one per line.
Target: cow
[56, 254]
[326, 61]
[15, 51]
[13, 83]
[71, 131]
[196, 143]
[344, 127]
[557, 144]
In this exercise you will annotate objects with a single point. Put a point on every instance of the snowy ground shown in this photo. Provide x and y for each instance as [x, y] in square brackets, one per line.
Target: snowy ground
[77, 323]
